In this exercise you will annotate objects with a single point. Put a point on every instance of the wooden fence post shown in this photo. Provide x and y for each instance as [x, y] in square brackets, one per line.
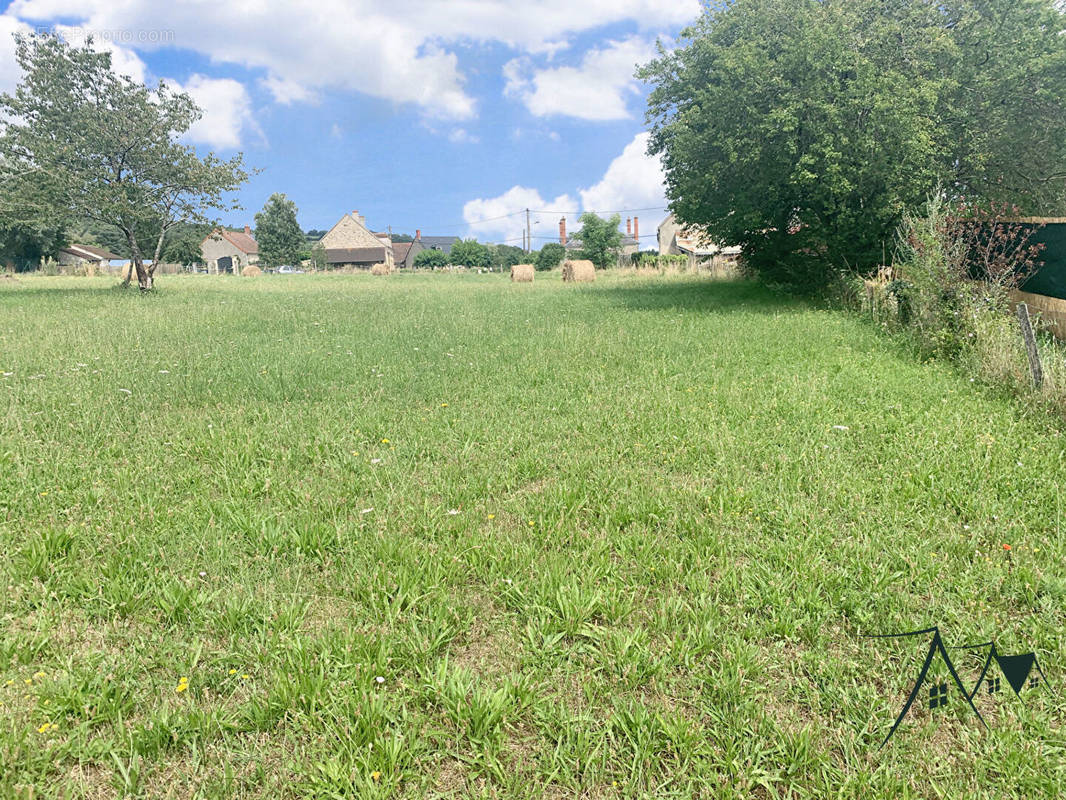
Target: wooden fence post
[1035, 366]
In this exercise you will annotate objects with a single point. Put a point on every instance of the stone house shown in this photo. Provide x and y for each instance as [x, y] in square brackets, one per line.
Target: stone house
[229, 251]
[676, 240]
[350, 243]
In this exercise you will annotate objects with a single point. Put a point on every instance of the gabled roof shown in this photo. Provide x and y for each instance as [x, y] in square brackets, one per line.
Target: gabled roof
[442, 243]
[90, 252]
[350, 232]
[355, 255]
[242, 241]
[400, 251]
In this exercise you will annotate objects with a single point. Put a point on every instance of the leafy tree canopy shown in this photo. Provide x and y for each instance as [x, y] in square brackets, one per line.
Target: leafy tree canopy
[79, 141]
[600, 238]
[802, 129]
[550, 255]
[280, 238]
[505, 256]
[428, 259]
[24, 244]
[469, 253]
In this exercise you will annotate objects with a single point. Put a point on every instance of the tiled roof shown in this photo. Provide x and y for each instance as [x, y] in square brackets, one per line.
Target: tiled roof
[355, 255]
[87, 250]
[442, 243]
[400, 251]
[242, 241]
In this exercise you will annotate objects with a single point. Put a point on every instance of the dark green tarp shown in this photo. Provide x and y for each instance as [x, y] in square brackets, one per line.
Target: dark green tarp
[1050, 279]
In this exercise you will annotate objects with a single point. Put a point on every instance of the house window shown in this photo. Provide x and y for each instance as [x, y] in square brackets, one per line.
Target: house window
[993, 685]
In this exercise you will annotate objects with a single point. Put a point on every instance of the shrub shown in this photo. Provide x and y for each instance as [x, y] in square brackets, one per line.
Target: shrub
[957, 263]
[431, 259]
[550, 256]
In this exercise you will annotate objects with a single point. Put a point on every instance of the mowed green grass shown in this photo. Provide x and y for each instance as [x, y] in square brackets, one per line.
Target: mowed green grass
[445, 536]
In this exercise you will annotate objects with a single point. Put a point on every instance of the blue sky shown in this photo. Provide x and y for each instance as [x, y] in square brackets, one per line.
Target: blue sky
[430, 115]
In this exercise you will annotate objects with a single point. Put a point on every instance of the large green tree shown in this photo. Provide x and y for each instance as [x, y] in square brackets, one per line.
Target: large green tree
[801, 129]
[24, 244]
[280, 237]
[549, 256]
[469, 253]
[505, 256]
[600, 238]
[80, 142]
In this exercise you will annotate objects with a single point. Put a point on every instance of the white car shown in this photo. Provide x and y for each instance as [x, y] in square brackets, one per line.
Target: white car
[288, 270]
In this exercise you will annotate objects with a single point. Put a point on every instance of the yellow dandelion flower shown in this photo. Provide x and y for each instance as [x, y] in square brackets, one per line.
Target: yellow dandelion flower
[233, 672]
[44, 494]
[245, 676]
[376, 775]
[10, 681]
[531, 523]
[492, 516]
[443, 405]
[38, 674]
[45, 728]
[27, 681]
[384, 441]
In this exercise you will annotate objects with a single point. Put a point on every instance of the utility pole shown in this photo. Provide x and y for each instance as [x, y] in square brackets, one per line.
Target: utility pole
[529, 239]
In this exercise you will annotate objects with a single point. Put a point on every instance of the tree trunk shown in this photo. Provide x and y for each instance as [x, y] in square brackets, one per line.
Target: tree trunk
[144, 276]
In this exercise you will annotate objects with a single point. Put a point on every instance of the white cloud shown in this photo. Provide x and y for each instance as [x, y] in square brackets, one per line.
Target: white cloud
[633, 180]
[505, 219]
[597, 89]
[462, 136]
[10, 72]
[227, 112]
[226, 105]
[397, 51]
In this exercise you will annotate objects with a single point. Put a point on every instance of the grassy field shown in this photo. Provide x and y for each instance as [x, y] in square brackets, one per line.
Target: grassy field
[445, 536]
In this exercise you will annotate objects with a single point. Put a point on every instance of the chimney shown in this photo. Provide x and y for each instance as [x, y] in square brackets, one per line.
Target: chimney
[629, 227]
[562, 231]
[636, 231]
[418, 233]
[248, 230]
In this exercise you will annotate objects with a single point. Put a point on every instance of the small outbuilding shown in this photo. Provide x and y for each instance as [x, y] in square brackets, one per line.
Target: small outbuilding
[229, 252]
[85, 256]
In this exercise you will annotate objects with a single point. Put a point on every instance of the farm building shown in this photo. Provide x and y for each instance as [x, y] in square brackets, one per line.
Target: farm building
[442, 243]
[350, 243]
[229, 251]
[404, 253]
[676, 240]
[77, 256]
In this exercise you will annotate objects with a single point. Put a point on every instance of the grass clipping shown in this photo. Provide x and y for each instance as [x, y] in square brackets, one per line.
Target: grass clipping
[251, 271]
[579, 271]
[522, 273]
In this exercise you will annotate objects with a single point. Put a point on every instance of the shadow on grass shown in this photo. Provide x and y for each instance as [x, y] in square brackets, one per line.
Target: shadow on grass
[698, 294]
[27, 288]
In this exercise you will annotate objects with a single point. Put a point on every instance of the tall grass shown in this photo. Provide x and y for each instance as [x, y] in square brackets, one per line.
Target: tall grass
[438, 535]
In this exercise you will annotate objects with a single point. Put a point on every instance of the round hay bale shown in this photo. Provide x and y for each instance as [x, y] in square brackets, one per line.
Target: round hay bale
[580, 271]
[379, 269]
[522, 273]
[251, 271]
